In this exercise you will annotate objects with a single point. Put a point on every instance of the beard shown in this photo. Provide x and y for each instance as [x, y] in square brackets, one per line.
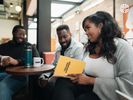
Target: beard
[66, 45]
[19, 40]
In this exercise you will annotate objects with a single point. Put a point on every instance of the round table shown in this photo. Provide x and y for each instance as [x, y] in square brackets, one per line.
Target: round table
[22, 70]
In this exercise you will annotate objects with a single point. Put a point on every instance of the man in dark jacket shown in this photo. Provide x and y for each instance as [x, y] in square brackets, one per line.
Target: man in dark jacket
[12, 54]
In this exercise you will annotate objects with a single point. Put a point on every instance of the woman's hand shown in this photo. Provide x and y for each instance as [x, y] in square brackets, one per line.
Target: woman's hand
[81, 79]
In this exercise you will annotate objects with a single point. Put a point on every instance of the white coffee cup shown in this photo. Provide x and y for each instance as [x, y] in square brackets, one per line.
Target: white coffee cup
[38, 61]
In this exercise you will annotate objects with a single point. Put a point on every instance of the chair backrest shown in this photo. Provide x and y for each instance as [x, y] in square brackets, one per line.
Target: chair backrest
[129, 85]
[123, 96]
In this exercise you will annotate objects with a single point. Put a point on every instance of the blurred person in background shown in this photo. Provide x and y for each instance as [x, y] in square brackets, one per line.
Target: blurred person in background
[12, 54]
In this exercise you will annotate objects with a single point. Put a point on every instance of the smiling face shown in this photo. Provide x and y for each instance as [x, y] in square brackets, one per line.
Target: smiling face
[64, 37]
[19, 35]
[92, 30]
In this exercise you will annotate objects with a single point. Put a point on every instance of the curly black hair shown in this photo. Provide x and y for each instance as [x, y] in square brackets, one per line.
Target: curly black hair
[109, 31]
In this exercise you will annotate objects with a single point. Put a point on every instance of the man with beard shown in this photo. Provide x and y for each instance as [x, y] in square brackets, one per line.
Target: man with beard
[12, 54]
[68, 47]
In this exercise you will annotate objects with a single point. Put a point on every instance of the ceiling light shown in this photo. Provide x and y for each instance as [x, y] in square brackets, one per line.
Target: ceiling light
[52, 20]
[18, 8]
[35, 19]
[11, 4]
[11, 16]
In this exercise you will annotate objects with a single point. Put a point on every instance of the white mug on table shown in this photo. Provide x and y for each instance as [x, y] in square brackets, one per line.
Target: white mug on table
[38, 61]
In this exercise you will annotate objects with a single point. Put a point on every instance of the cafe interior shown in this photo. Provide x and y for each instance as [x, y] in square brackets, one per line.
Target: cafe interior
[40, 18]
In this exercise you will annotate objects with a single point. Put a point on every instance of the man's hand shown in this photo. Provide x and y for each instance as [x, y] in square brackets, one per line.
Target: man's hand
[13, 61]
[4, 61]
[7, 60]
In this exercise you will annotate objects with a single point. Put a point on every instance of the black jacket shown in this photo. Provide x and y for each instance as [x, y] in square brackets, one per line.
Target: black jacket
[17, 51]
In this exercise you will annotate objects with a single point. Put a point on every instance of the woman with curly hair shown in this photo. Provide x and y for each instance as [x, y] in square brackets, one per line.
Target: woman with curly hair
[109, 65]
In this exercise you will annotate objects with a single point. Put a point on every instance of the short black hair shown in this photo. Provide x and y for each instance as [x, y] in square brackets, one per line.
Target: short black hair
[61, 27]
[16, 27]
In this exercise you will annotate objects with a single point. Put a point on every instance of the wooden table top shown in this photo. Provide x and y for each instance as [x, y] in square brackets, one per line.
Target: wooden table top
[22, 70]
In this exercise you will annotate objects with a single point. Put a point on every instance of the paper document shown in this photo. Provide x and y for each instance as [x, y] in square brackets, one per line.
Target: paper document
[67, 65]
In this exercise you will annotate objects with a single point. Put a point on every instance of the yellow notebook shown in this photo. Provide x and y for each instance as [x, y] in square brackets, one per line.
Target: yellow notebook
[67, 65]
